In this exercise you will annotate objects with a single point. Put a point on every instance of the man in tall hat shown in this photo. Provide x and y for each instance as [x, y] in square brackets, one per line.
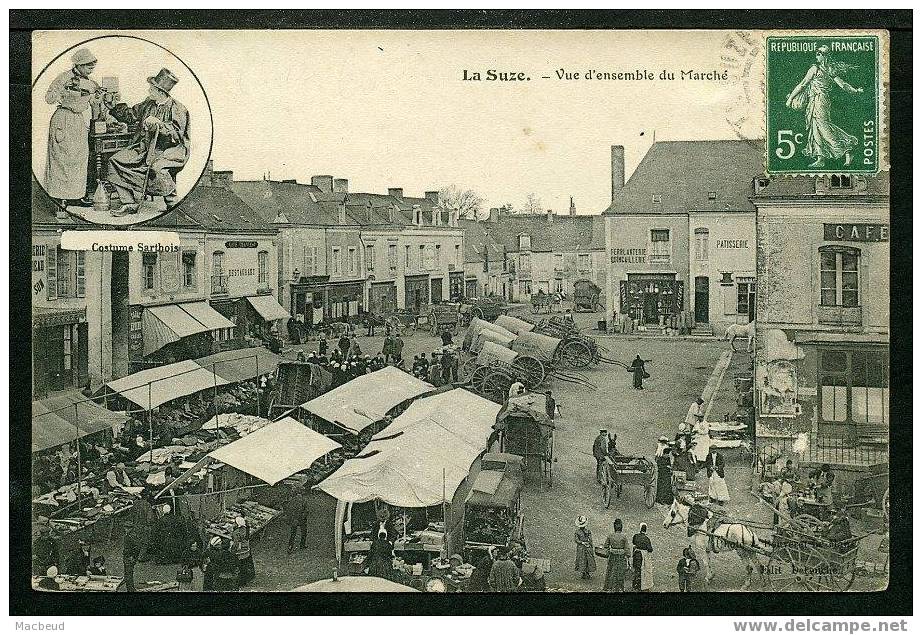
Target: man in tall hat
[159, 150]
[68, 142]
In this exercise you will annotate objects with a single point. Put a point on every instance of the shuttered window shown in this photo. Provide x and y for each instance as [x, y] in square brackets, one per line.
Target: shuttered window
[81, 273]
[51, 271]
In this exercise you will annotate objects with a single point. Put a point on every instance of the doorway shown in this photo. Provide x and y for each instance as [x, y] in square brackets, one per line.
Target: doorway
[436, 294]
[702, 299]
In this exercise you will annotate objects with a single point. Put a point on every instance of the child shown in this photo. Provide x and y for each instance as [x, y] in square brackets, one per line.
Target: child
[687, 568]
[99, 566]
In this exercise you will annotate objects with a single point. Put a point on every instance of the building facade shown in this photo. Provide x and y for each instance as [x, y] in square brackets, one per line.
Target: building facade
[485, 267]
[822, 363]
[680, 234]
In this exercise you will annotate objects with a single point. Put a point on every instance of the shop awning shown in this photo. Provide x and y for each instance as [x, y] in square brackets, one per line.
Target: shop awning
[276, 451]
[156, 386]
[357, 404]
[241, 364]
[422, 457]
[207, 316]
[171, 322]
[57, 419]
[268, 308]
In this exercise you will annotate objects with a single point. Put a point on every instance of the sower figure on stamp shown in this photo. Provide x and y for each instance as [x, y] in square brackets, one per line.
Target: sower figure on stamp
[158, 151]
[825, 140]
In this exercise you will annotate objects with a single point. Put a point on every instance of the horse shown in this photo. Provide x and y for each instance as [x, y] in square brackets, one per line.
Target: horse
[735, 535]
[741, 330]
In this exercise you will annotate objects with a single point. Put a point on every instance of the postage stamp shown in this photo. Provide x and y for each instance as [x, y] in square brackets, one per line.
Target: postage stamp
[822, 104]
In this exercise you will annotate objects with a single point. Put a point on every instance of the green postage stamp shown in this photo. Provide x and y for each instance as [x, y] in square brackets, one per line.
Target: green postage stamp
[822, 104]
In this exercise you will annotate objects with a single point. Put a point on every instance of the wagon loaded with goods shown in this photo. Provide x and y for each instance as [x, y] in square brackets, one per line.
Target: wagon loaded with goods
[578, 350]
[445, 316]
[500, 358]
[493, 515]
[586, 296]
[526, 430]
[488, 309]
[297, 383]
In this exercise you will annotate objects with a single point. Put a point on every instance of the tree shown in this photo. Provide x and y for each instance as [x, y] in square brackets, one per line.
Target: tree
[532, 205]
[468, 203]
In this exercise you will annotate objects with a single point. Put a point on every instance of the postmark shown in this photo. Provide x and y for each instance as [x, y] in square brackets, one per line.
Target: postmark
[822, 104]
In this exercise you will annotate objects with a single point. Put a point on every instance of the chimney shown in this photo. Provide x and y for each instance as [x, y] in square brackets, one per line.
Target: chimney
[550, 216]
[396, 192]
[368, 209]
[494, 214]
[341, 186]
[323, 182]
[617, 170]
[572, 207]
[432, 197]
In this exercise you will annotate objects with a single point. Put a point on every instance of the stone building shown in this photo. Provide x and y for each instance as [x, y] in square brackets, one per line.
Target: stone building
[822, 364]
[680, 233]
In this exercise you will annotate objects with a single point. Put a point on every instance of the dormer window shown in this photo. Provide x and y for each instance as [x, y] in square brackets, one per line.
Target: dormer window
[712, 196]
[840, 181]
[657, 198]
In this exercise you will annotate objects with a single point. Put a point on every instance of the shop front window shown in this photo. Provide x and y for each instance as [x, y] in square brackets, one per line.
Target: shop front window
[839, 276]
[854, 387]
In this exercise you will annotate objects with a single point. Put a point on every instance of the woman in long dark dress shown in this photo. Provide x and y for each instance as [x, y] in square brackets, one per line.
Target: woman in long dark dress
[640, 560]
[664, 472]
[240, 539]
[585, 554]
[616, 545]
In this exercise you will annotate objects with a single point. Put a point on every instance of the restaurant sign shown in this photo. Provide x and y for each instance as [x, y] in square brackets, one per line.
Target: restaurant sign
[857, 232]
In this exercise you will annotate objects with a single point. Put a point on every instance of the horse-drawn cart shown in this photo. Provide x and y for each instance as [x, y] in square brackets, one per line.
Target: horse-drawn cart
[629, 470]
[586, 296]
[403, 321]
[444, 316]
[544, 302]
[526, 430]
[488, 309]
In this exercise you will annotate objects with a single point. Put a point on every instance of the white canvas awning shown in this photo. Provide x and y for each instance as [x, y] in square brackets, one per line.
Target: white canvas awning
[268, 308]
[422, 457]
[169, 323]
[276, 451]
[154, 387]
[357, 404]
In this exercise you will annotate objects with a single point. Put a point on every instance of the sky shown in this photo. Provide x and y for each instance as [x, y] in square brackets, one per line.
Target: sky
[390, 109]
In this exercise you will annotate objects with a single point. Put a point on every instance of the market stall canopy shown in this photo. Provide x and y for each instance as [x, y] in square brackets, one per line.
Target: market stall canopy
[514, 324]
[355, 584]
[536, 345]
[154, 387]
[169, 323]
[276, 451]
[268, 308]
[421, 458]
[241, 364]
[357, 404]
[55, 421]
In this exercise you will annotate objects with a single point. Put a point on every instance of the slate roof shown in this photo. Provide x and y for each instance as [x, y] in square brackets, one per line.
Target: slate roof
[476, 236]
[219, 210]
[682, 173]
[561, 234]
[295, 203]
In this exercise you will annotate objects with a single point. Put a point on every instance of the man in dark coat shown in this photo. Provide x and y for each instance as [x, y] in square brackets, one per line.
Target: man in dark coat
[600, 452]
[80, 561]
[638, 369]
[158, 151]
[296, 517]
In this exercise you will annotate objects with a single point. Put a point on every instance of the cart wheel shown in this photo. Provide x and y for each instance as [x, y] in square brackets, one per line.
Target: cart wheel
[649, 496]
[576, 354]
[786, 569]
[478, 313]
[496, 385]
[467, 369]
[531, 369]
[477, 376]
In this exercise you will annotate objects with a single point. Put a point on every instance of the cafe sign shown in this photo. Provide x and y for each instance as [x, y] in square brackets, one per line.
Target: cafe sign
[857, 232]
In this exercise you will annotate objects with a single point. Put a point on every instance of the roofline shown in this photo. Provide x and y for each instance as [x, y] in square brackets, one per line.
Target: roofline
[806, 200]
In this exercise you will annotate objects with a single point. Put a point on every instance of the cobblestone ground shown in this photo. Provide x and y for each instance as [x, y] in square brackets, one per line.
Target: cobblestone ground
[680, 372]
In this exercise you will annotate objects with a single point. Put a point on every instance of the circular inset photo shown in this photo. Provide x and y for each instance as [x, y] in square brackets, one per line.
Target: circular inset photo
[121, 129]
